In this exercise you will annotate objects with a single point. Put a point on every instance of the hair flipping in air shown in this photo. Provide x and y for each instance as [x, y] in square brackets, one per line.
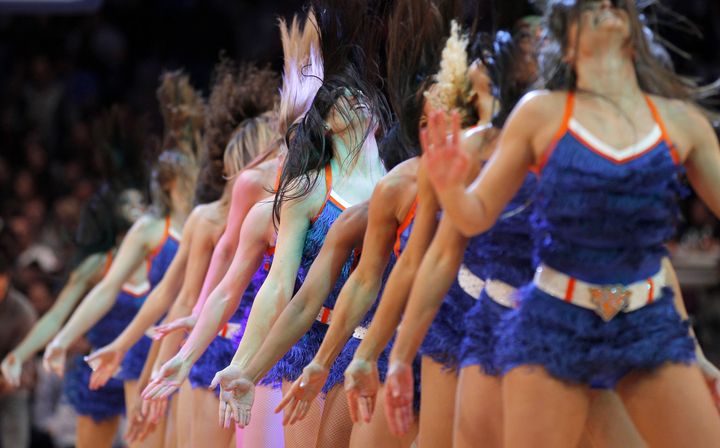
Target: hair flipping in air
[241, 96]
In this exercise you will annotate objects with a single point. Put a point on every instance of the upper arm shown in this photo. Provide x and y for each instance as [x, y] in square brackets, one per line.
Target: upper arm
[425, 222]
[246, 191]
[521, 139]
[198, 260]
[293, 228]
[132, 251]
[173, 279]
[381, 230]
[703, 160]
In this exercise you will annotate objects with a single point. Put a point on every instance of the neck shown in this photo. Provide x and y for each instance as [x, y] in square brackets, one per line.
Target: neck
[178, 216]
[485, 108]
[366, 160]
[609, 73]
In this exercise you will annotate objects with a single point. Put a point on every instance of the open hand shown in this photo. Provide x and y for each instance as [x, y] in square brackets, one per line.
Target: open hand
[362, 383]
[446, 163]
[237, 394]
[54, 358]
[298, 400]
[167, 380]
[104, 363]
[11, 369]
[399, 397]
[185, 324]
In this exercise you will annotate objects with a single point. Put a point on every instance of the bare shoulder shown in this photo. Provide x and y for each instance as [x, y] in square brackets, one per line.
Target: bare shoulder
[398, 179]
[686, 123]
[542, 103]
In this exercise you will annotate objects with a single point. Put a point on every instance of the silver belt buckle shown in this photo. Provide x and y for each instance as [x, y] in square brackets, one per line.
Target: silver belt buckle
[609, 300]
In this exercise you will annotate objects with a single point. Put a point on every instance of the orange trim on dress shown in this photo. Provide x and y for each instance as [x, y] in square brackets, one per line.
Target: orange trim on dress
[663, 130]
[153, 253]
[545, 156]
[108, 263]
[404, 225]
[328, 190]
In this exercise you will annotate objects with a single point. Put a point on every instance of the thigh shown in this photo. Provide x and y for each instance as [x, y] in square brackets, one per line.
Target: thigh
[335, 426]
[92, 434]
[205, 428]
[304, 434]
[542, 411]
[608, 424]
[437, 405]
[265, 429]
[478, 409]
[671, 406]
[376, 434]
[184, 423]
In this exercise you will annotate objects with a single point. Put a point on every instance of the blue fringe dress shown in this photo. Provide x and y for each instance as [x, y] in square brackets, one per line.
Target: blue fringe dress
[158, 262]
[290, 367]
[604, 221]
[503, 253]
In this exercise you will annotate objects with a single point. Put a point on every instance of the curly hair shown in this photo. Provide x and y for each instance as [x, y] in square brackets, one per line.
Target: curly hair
[183, 109]
[238, 93]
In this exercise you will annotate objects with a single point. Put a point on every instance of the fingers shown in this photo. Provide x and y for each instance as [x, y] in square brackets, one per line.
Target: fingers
[288, 411]
[366, 408]
[455, 117]
[352, 398]
[227, 417]
[221, 411]
[215, 381]
[288, 397]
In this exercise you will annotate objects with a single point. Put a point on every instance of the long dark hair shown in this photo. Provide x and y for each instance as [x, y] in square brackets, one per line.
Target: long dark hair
[411, 62]
[349, 38]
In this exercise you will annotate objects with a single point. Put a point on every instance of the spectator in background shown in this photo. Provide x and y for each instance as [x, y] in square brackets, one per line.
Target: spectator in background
[16, 318]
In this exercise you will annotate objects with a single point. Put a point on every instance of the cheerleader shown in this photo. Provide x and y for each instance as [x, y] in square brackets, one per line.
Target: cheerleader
[392, 209]
[332, 163]
[98, 411]
[233, 99]
[152, 241]
[600, 311]
[253, 257]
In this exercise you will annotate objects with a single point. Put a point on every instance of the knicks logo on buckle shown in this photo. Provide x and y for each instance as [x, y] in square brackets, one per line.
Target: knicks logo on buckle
[609, 300]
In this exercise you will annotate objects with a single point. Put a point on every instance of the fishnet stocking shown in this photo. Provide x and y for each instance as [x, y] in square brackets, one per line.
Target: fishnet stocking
[336, 426]
[304, 434]
[265, 429]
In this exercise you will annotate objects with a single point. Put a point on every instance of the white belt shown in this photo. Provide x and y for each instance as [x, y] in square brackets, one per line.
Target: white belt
[605, 300]
[469, 282]
[360, 332]
[231, 331]
[501, 293]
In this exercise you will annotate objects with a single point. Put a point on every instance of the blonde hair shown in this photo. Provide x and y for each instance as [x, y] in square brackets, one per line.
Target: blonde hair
[302, 71]
[173, 165]
[452, 89]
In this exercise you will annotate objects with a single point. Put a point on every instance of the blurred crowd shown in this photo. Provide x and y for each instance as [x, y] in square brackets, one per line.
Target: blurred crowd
[57, 74]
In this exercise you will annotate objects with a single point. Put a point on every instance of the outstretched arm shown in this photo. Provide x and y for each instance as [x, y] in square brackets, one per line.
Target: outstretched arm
[296, 319]
[81, 279]
[98, 302]
[247, 190]
[397, 288]
[220, 306]
[475, 209]
[434, 278]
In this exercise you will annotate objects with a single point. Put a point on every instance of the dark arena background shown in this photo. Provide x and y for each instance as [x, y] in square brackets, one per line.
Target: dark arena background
[62, 63]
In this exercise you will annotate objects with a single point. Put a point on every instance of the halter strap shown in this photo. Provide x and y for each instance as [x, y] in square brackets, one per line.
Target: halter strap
[328, 191]
[663, 130]
[108, 262]
[567, 115]
[153, 253]
[404, 225]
